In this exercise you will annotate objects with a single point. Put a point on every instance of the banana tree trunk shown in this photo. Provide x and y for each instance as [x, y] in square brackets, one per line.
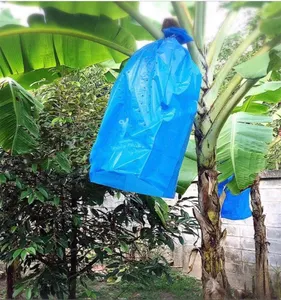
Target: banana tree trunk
[214, 279]
[262, 286]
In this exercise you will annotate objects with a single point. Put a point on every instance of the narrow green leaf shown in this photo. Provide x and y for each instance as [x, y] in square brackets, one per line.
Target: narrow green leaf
[56, 201]
[28, 293]
[3, 179]
[18, 183]
[23, 254]
[124, 247]
[63, 162]
[108, 250]
[181, 240]
[31, 198]
[13, 229]
[17, 253]
[162, 209]
[39, 196]
[31, 250]
[43, 192]
[4, 247]
[34, 168]
[18, 291]
[25, 194]
[60, 252]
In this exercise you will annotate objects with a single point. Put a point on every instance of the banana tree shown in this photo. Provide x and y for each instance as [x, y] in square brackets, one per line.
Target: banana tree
[65, 38]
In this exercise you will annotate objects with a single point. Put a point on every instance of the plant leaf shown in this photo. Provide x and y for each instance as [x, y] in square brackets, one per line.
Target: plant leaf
[161, 208]
[17, 253]
[61, 39]
[3, 178]
[23, 254]
[28, 293]
[18, 291]
[31, 250]
[188, 171]
[94, 8]
[257, 99]
[63, 162]
[43, 192]
[18, 110]
[241, 151]
[256, 67]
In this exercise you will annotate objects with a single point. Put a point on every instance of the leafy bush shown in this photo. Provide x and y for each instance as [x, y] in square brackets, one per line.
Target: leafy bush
[53, 222]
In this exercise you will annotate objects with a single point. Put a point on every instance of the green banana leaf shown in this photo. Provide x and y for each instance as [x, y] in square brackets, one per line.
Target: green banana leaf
[137, 30]
[260, 65]
[241, 151]
[74, 41]
[18, 111]
[260, 98]
[188, 171]
[93, 8]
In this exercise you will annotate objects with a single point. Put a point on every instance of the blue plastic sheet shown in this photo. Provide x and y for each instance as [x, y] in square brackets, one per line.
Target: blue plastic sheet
[235, 207]
[147, 124]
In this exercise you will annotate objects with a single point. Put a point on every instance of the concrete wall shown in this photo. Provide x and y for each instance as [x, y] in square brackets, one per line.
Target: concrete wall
[239, 245]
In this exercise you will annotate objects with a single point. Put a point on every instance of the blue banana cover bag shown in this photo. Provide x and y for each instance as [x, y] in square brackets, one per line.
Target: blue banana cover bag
[235, 207]
[146, 127]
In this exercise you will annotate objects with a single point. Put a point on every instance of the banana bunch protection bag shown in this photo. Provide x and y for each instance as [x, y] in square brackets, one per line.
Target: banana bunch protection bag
[146, 127]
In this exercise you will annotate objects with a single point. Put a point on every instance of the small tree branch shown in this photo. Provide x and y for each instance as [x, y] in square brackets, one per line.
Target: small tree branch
[142, 20]
[86, 268]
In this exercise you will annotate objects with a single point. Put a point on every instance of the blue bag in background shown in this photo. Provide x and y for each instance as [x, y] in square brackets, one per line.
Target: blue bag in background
[235, 207]
[146, 127]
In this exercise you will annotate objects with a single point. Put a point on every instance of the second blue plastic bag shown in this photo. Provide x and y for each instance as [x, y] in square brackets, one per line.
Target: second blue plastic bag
[147, 124]
[235, 207]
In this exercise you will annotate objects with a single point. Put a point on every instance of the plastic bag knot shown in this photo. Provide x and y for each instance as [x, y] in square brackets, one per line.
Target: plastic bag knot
[179, 33]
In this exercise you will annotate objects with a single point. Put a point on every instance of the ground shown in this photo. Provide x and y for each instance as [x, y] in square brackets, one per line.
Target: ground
[181, 288]
[2, 289]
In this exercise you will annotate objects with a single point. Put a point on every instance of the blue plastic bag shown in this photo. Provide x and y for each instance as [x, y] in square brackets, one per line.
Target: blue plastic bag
[147, 124]
[235, 207]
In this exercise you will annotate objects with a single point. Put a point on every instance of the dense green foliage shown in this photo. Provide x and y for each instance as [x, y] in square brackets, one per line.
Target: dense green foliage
[52, 224]
[52, 219]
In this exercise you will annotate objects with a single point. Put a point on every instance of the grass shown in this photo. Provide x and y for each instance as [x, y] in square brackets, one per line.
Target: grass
[181, 288]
